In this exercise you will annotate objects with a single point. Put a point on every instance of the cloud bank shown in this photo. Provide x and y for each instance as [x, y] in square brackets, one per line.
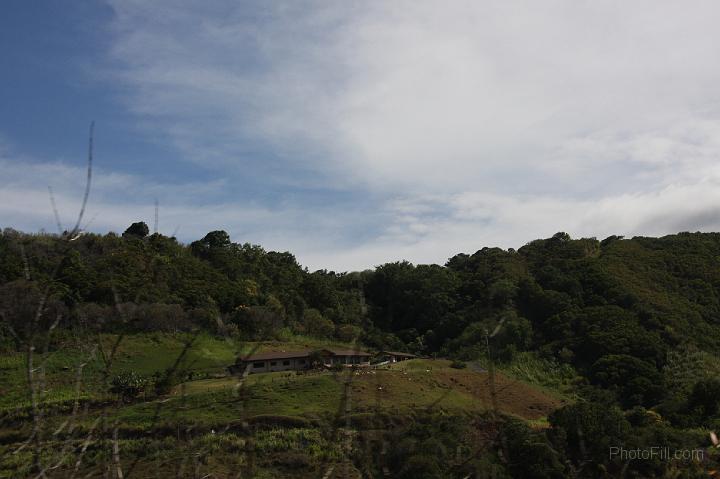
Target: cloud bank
[450, 126]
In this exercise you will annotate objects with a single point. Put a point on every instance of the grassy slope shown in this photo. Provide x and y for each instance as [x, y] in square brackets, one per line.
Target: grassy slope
[145, 354]
[213, 402]
[413, 384]
[400, 389]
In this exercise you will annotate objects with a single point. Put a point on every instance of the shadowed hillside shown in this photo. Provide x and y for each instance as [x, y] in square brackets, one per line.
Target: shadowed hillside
[616, 338]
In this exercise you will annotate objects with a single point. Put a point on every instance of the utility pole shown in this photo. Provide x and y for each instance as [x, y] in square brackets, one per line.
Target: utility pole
[157, 207]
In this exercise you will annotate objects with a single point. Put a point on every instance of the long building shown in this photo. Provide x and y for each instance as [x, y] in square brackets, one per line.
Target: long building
[298, 360]
[394, 356]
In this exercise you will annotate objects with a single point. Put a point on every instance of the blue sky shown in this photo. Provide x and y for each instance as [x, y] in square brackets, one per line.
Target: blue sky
[358, 133]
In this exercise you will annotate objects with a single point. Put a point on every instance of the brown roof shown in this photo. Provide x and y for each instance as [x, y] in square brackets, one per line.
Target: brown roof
[276, 355]
[397, 353]
[347, 352]
[269, 356]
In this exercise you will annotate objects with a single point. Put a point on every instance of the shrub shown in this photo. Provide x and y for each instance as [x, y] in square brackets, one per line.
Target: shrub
[276, 420]
[457, 364]
[128, 385]
[292, 460]
[166, 380]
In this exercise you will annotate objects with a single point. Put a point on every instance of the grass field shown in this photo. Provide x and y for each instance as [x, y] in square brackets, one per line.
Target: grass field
[146, 354]
[419, 383]
[211, 400]
[414, 384]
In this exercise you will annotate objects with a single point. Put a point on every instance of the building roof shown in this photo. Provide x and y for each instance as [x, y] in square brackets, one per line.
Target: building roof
[276, 355]
[398, 353]
[347, 352]
[269, 356]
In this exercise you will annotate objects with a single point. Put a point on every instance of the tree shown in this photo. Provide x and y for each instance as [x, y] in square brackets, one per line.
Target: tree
[348, 333]
[586, 430]
[139, 229]
[217, 239]
[19, 313]
[528, 453]
[420, 466]
[317, 325]
[705, 397]
[638, 382]
[213, 241]
[315, 359]
[258, 322]
[403, 296]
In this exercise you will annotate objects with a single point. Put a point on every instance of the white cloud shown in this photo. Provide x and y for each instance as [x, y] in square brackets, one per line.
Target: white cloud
[468, 123]
[117, 200]
[426, 228]
[469, 221]
[420, 95]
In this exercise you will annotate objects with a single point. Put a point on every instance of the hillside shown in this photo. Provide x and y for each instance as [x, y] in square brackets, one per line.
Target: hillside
[301, 405]
[620, 336]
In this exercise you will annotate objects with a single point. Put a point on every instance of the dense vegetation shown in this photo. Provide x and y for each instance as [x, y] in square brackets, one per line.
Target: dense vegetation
[634, 322]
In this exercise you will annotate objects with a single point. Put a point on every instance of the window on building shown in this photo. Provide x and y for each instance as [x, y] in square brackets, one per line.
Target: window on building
[301, 361]
[259, 365]
[286, 363]
[273, 363]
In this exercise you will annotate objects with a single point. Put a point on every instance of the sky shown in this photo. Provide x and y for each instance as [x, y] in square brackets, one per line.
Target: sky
[358, 133]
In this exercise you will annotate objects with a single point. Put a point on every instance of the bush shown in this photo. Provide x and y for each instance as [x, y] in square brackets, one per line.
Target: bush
[128, 385]
[292, 460]
[457, 364]
[420, 466]
[166, 380]
[368, 420]
[277, 420]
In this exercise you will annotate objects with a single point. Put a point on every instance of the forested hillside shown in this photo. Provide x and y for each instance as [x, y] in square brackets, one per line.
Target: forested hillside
[635, 323]
[614, 309]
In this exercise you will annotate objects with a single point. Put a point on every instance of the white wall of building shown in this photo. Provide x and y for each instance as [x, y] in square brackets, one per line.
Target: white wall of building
[273, 365]
[294, 364]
